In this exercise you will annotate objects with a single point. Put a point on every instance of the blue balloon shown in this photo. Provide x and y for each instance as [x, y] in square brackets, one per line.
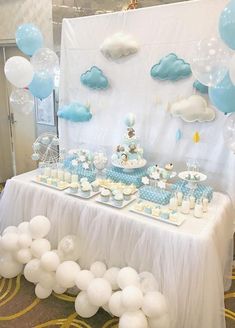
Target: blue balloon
[222, 95]
[227, 24]
[28, 38]
[42, 85]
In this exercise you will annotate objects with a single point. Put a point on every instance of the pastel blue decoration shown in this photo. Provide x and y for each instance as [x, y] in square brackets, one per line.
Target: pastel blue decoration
[222, 95]
[227, 24]
[130, 120]
[94, 79]
[42, 85]
[171, 67]
[28, 38]
[79, 170]
[199, 192]
[156, 195]
[118, 175]
[200, 87]
[75, 112]
[178, 135]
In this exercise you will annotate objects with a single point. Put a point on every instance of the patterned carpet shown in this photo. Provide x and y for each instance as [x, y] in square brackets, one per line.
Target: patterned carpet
[19, 308]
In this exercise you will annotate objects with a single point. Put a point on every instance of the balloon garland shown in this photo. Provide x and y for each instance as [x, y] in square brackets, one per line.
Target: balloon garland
[122, 292]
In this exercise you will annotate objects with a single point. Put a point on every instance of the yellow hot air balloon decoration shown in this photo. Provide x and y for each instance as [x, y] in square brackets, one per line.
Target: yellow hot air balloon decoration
[196, 137]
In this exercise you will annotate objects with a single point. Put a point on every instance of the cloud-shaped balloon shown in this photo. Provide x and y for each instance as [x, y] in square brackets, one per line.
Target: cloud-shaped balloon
[200, 87]
[75, 112]
[192, 109]
[94, 78]
[171, 67]
[119, 45]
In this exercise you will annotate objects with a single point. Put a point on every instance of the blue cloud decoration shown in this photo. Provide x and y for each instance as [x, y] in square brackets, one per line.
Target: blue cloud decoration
[75, 112]
[94, 78]
[172, 68]
[200, 87]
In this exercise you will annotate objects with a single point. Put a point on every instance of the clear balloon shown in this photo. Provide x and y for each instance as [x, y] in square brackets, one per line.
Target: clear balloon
[46, 60]
[210, 61]
[28, 38]
[227, 24]
[18, 71]
[42, 85]
[98, 269]
[222, 95]
[229, 132]
[22, 101]
[232, 69]
[69, 247]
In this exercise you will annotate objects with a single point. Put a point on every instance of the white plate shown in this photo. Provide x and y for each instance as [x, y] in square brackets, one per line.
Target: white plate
[111, 202]
[176, 223]
[126, 167]
[183, 176]
[80, 195]
[50, 186]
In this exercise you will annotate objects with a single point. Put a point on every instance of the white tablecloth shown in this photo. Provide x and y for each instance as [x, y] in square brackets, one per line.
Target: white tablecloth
[190, 262]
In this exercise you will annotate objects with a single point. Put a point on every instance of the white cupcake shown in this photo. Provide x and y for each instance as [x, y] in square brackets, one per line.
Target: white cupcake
[86, 190]
[118, 199]
[95, 186]
[105, 195]
[74, 187]
[127, 193]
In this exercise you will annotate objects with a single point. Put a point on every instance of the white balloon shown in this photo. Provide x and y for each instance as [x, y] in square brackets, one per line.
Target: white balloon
[83, 279]
[47, 279]
[127, 276]
[105, 307]
[10, 229]
[232, 69]
[19, 71]
[23, 255]
[115, 304]
[22, 101]
[70, 248]
[133, 320]
[44, 59]
[162, 322]
[50, 261]
[9, 241]
[132, 298]
[111, 276]
[98, 269]
[23, 227]
[99, 291]
[147, 282]
[39, 226]
[9, 268]
[24, 240]
[58, 289]
[32, 271]
[83, 306]
[42, 292]
[66, 273]
[39, 247]
[154, 305]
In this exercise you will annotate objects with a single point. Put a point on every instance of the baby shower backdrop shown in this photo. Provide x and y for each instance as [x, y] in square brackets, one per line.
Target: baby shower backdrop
[108, 86]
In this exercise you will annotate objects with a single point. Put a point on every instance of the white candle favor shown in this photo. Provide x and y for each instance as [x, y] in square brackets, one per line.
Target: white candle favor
[192, 202]
[74, 178]
[205, 202]
[67, 177]
[179, 197]
[60, 175]
[173, 203]
[198, 213]
[185, 206]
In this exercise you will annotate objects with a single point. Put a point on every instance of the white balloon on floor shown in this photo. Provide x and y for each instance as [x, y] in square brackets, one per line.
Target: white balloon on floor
[47, 279]
[23, 227]
[83, 306]
[10, 229]
[32, 271]
[132, 298]
[58, 289]
[98, 269]
[23, 255]
[115, 304]
[66, 274]
[111, 276]
[9, 268]
[126, 277]
[99, 291]
[42, 292]
[154, 305]
[39, 226]
[39, 247]
[133, 320]
[147, 282]
[83, 279]
[50, 261]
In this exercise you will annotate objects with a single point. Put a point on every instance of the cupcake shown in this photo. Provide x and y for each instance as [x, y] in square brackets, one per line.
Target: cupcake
[164, 215]
[173, 216]
[74, 187]
[156, 211]
[139, 207]
[49, 181]
[115, 192]
[118, 199]
[95, 186]
[105, 195]
[148, 209]
[61, 184]
[86, 189]
[83, 180]
[127, 193]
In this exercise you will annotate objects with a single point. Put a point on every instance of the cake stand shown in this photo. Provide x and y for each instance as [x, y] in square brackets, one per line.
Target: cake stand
[131, 168]
[192, 177]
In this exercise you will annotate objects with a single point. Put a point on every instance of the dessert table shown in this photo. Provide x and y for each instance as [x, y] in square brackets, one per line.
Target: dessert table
[190, 262]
